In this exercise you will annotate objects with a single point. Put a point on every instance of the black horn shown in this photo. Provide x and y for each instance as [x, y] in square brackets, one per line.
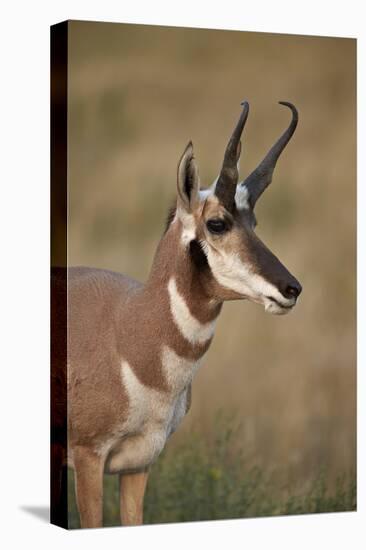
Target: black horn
[226, 184]
[261, 177]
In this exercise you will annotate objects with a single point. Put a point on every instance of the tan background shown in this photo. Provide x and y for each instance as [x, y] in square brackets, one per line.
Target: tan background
[137, 94]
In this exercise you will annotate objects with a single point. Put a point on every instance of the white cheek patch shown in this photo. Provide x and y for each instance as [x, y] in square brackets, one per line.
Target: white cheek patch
[230, 272]
[192, 330]
[242, 198]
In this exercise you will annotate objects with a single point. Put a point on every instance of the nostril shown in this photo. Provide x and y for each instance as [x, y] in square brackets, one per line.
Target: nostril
[293, 291]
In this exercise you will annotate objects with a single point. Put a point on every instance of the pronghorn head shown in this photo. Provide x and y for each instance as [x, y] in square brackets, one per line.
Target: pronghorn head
[218, 226]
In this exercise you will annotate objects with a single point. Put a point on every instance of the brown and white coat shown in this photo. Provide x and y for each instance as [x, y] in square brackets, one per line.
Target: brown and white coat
[133, 348]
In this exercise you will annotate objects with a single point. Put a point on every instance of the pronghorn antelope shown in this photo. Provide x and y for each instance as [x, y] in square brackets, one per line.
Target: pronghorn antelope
[134, 348]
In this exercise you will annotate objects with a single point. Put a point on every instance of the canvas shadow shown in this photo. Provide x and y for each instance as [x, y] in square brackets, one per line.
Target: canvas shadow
[40, 512]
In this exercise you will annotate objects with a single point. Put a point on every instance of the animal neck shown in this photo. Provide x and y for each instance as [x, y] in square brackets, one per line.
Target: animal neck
[175, 272]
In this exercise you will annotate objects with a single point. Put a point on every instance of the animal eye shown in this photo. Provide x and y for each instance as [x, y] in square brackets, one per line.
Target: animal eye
[217, 226]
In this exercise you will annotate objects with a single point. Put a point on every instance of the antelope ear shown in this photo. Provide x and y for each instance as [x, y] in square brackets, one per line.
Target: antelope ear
[188, 181]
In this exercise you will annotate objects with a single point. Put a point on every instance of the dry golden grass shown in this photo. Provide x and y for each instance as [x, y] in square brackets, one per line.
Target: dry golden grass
[137, 95]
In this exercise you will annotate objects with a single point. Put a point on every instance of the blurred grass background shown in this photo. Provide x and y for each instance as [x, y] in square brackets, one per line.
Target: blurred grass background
[198, 481]
[137, 94]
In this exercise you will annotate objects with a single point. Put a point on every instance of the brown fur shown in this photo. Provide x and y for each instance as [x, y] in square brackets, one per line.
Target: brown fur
[117, 325]
[108, 313]
[107, 316]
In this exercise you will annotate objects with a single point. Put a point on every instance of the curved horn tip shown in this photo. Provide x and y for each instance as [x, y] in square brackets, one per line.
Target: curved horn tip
[291, 106]
[245, 105]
